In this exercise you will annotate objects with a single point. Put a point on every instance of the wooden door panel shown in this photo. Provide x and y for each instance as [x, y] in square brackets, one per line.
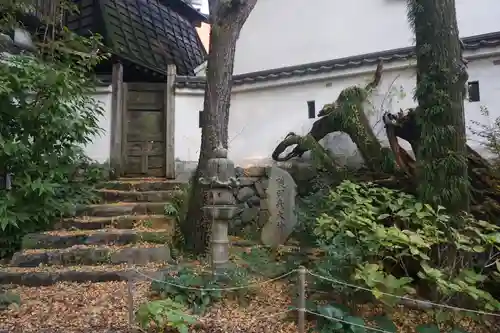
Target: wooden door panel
[145, 126]
[149, 100]
[136, 148]
[135, 163]
[144, 151]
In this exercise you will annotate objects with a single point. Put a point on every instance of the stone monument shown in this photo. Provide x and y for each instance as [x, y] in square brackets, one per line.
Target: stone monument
[221, 206]
[281, 193]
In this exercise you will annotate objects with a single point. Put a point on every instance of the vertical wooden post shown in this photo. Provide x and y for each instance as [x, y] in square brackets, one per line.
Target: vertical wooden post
[125, 125]
[302, 300]
[130, 297]
[115, 154]
[169, 105]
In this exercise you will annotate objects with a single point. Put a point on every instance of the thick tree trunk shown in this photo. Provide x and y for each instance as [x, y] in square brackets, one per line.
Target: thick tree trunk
[441, 77]
[226, 18]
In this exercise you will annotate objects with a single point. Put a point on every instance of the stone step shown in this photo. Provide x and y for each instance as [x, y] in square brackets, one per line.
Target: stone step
[135, 196]
[49, 275]
[143, 185]
[62, 239]
[138, 254]
[122, 208]
[117, 222]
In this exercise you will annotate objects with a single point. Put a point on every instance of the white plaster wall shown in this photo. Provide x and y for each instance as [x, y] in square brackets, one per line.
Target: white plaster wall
[262, 114]
[291, 32]
[187, 131]
[99, 149]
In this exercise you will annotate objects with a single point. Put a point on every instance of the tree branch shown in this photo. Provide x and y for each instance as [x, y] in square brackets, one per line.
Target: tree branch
[222, 11]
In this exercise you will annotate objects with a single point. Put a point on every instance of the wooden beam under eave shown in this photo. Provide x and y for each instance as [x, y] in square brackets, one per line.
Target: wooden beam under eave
[169, 104]
[116, 136]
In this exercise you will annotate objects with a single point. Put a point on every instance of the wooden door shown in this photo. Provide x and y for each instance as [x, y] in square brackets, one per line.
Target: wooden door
[144, 132]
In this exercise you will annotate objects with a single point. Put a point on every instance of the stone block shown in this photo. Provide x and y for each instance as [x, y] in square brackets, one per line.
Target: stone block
[250, 214]
[255, 171]
[245, 193]
[254, 201]
[247, 181]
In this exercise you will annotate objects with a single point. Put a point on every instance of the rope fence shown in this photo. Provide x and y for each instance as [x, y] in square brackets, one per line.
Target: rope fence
[302, 274]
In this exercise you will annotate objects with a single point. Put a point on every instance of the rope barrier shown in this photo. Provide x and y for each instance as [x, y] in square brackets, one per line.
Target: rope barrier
[276, 314]
[252, 285]
[200, 318]
[257, 284]
[450, 307]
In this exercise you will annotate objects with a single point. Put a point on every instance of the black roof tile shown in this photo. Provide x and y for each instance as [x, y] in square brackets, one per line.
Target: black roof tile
[470, 43]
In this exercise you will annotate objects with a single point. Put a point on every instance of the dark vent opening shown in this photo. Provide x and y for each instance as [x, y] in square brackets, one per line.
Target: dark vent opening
[200, 119]
[473, 91]
[311, 109]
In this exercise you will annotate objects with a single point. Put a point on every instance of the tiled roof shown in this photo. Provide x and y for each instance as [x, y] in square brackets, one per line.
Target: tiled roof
[143, 32]
[470, 43]
[152, 35]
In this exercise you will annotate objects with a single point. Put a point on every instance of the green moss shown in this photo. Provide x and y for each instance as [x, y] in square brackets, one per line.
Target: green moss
[155, 237]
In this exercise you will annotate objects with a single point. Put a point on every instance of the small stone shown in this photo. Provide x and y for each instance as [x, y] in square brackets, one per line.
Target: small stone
[254, 201]
[249, 214]
[247, 181]
[255, 171]
[245, 193]
[243, 205]
[239, 171]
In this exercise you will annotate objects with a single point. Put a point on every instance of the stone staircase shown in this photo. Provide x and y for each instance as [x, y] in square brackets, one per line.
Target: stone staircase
[103, 241]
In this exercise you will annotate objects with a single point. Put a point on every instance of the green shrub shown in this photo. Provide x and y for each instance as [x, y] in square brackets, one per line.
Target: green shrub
[197, 289]
[385, 240]
[164, 314]
[47, 116]
[7, 298]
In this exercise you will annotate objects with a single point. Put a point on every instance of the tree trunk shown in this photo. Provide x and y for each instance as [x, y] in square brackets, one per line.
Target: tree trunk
[226, 19]
[441, 77]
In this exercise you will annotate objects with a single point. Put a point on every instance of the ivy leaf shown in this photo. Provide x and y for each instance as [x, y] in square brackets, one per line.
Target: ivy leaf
[349, 234]
[183, 329]
[427, 328]
[458, 330]
[332, 311]
[385, 324]
[356, 324]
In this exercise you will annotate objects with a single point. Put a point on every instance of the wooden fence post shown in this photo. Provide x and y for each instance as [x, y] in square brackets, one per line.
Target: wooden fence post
[116, 120]
[301, 311]
[170, 122]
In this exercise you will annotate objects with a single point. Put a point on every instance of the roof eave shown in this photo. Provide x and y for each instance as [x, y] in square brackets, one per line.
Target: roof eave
[471, 43]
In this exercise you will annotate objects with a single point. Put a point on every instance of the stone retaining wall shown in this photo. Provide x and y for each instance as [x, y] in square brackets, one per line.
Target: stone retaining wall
[251, 199]
[251, 194]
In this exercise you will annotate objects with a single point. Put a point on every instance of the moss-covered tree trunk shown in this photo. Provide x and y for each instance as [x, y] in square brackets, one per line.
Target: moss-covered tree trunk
[226, 19]
[441, 77]
[346, 115]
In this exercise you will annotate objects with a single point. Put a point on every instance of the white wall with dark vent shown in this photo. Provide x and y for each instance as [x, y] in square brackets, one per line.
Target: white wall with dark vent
[99, 149]
[263, 113]
[292, 32]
